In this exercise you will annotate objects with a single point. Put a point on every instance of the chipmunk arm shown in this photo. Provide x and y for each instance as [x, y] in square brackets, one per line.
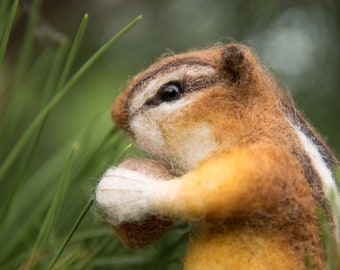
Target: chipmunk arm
[247, 180]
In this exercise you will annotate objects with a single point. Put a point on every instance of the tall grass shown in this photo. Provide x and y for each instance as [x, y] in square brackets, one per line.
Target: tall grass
[47, 220]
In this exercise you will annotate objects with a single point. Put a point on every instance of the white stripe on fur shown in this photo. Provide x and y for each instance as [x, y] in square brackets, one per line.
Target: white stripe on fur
[326, 176]
[317, 161]
[151, 87]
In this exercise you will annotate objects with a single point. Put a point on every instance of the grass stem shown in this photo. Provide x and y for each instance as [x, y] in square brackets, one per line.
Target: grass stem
[53, 211]
[8, 30]
[71, 233]
[14, 153]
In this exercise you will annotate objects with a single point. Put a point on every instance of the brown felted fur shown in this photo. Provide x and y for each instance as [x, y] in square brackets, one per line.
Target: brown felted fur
[253, 200]
[142, 233]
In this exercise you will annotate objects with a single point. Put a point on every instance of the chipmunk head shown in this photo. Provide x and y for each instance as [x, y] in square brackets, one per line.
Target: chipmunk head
[184, 107]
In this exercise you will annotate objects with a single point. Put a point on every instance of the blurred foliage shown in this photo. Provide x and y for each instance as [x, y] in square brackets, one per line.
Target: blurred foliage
[298, 40]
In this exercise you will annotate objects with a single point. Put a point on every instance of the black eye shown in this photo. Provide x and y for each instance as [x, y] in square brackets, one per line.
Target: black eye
[170, 92]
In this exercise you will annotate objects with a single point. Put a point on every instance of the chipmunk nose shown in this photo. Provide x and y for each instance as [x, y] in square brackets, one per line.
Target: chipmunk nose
[120, 113]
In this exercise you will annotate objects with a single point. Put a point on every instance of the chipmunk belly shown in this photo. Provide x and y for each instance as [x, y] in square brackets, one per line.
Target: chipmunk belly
[245, 248]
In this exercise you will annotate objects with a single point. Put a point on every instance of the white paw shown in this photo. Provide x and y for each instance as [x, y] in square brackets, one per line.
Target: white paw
[126, 195]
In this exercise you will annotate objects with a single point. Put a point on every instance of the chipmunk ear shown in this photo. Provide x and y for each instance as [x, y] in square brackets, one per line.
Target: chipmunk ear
[234, 65]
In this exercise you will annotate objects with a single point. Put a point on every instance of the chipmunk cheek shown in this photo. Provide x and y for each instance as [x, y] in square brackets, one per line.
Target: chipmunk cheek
[147, 134]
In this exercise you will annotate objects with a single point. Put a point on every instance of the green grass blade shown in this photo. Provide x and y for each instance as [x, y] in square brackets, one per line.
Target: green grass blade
[69, 236]
[3, 6]
[19, 228]
[55, 69]
[99, 53]
[100, 248]
[162, 260]
[48, 223]
[73, 51]
[8, 30]
[15, 152]
[13, 111]
[23, 63]
[24, 230]
[127, 261]
[33, 146]
[13, 264]
[3, 14]
[121, 154]
[4, 220]
[337, 175]
[28, 42]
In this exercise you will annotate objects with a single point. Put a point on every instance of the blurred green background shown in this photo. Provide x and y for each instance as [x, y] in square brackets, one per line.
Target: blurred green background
[298, 41]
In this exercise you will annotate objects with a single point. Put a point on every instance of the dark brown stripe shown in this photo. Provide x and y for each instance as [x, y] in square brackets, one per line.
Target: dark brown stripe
[298, 120]
[188, 85]
[327, 155]
[152, 74]
[315, 183]
[310, 172]
[166, 67]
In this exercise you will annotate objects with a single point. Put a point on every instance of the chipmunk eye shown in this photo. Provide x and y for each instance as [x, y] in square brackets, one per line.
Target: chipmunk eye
[170, 92]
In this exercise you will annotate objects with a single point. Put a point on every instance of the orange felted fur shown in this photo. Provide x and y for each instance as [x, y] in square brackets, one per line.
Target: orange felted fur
[241, 172]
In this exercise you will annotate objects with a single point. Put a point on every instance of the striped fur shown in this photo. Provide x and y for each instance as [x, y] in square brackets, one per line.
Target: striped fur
[319, 162]
[166, 75]
[250, 170]
[164, 69]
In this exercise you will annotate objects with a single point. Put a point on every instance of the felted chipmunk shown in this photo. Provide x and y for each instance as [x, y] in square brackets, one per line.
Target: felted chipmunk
[231, 155]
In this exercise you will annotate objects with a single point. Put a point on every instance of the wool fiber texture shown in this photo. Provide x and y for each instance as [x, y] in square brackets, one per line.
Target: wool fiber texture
[230, 154]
